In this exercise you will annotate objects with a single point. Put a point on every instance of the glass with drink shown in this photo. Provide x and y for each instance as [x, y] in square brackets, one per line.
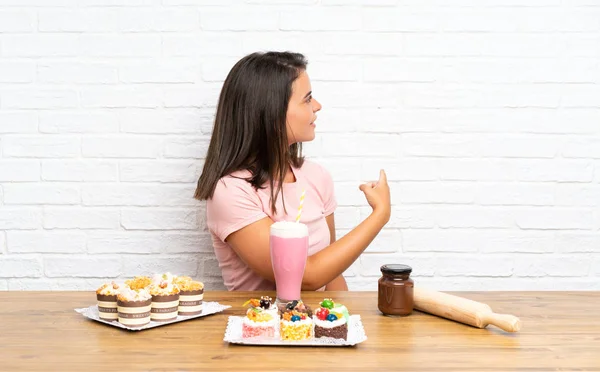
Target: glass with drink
[289, 251]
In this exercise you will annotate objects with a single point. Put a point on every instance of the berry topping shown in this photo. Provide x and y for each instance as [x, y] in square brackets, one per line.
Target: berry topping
[327, 303]
[322, 313]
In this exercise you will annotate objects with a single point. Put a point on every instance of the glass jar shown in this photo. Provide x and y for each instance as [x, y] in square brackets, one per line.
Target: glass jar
[396, 290]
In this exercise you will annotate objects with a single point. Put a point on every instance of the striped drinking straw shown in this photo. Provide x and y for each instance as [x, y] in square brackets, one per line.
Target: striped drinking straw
[301, 205]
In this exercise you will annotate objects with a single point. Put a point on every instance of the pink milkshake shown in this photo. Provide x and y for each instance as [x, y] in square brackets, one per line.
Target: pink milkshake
[289, 250]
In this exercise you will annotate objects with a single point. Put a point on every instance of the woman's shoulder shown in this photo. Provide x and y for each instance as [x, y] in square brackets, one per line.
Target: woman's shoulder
[315, 170]
[233, 184]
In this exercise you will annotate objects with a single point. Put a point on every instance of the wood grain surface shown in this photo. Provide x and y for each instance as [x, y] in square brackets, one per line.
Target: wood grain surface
[40, 331]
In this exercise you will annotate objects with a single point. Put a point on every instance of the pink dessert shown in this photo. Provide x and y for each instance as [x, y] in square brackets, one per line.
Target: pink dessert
[261, 318]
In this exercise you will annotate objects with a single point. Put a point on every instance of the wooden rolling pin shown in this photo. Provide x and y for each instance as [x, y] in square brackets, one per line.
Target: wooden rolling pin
[463, 310]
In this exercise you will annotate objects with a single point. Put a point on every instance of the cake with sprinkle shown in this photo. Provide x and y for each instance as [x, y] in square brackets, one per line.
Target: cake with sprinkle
[261, 318]
[296, 323]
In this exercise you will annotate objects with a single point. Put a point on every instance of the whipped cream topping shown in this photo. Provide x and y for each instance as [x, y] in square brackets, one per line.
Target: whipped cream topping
[163, 288]
[306, 321]
[128, 294]
[329, 324]
[109, 289]
[168, 277]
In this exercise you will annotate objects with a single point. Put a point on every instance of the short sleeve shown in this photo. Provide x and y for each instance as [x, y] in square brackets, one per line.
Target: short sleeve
[234, 205]
[329, 201]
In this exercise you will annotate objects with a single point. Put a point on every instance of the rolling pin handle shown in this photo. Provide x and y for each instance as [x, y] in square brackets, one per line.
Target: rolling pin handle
[506, 322]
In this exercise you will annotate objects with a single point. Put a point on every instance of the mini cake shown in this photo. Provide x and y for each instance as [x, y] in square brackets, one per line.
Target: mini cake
[134, 307]
[165, 301]
[191, 295]
[329, 323]
[261, 318]
[107, 301]
[296, 325]
[139, 282]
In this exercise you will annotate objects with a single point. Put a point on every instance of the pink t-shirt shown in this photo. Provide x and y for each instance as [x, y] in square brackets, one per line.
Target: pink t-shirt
[236, 204]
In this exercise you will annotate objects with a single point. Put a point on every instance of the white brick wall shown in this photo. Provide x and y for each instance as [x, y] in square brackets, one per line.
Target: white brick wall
[485, 114]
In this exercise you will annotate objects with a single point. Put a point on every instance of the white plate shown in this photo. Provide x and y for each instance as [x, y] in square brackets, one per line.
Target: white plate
[208, 308]
[356, 335]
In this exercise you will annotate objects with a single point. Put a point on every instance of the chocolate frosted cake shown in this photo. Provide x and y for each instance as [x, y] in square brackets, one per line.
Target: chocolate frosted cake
[134, 307]
[331, 320]
[191, 295]
[107, 301]
[165, 301]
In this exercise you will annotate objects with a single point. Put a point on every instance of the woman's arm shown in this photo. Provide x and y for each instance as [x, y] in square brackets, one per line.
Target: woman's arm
[339, 283]
[251, 243]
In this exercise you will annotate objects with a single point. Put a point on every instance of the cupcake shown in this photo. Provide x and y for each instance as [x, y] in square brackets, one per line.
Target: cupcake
[165, 301]
[191, 295]
[139, 282]
[134, 307]
[329, 322]
[107, 301]
[296, 324]
[261, 318]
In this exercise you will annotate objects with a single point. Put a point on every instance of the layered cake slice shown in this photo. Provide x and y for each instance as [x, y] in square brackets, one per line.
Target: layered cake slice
[331, 321]
[296, 323]
[261, 318]
[134, 307]
[107, 301]
[191, 295]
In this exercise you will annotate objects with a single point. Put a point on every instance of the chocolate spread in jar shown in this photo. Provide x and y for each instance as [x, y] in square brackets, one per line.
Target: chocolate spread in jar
[396, 290]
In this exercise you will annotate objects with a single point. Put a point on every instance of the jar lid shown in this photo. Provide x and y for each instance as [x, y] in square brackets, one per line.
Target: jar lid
[396, 269]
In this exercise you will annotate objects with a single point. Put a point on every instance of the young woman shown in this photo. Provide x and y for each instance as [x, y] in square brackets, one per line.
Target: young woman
[255, 173]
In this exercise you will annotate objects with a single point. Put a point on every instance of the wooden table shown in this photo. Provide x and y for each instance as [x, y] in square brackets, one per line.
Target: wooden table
[39, 331]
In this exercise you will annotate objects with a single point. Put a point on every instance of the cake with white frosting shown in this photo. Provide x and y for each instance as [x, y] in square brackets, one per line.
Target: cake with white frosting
[191, 295]
[165, 301]
[134, 307]
[107, 301]
[261, 318]
[331, 320]
[296, 323]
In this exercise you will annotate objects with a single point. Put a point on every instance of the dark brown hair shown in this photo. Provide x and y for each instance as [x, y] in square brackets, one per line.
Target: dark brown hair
[249, 132]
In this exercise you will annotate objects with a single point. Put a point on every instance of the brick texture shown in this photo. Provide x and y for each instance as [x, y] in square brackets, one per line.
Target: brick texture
[485, 117]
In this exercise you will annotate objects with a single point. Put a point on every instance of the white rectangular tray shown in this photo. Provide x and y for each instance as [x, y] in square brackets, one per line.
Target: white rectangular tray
[208, 308]
[233, 334]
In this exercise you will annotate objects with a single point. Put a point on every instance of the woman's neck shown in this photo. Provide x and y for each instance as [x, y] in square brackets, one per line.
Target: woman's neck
[289, 176]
